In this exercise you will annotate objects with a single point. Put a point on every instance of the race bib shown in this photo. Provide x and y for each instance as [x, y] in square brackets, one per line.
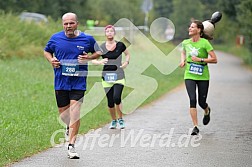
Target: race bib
[196, 69]
[110, 77]
[70, 69]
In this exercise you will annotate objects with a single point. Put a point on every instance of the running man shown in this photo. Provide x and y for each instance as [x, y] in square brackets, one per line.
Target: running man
[67, 52]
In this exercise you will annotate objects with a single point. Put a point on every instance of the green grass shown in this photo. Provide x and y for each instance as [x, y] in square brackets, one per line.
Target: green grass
[26, 104]
[239, 51]
[23, 39]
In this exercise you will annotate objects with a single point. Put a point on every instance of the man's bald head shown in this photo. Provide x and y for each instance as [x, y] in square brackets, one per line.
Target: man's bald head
[69, 15]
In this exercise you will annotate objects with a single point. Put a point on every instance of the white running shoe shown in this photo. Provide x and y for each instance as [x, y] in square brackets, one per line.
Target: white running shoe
[72, 153]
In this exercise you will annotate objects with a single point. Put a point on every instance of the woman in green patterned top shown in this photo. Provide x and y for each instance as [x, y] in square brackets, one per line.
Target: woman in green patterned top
[197, 53]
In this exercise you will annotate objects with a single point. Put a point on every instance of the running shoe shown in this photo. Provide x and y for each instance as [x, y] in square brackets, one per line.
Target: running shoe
[72, 153]
[67, 134]
[195, 131]
[113, 124]
[121, 123]
[206, 118]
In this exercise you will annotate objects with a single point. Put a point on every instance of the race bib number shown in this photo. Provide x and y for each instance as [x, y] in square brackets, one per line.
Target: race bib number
[196, 69]
[110, 77]
[70, 69]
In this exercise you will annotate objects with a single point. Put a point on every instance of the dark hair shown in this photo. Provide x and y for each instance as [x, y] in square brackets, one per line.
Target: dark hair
[201, 27]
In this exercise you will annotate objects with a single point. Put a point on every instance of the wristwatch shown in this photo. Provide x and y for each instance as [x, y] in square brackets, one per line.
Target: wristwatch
[202, 60]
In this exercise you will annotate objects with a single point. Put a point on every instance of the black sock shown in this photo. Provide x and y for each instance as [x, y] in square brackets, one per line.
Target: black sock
[70, 145]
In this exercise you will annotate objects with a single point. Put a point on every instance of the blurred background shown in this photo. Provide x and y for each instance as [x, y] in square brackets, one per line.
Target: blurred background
[236, 20]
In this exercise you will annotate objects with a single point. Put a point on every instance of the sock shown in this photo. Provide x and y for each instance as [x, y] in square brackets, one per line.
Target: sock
[207, 112]
[70, 145]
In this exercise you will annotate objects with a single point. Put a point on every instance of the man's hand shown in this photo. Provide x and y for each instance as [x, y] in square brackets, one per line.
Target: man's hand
[83, 58]
[55, 62]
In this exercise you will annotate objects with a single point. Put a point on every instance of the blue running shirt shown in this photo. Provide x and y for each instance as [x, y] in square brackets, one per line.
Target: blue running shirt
[67, 50]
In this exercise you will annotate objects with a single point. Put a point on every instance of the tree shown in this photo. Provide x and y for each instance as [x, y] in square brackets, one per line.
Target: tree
[110, 11]
[163, 8]
[182, 14]
[229, 8]
[244, 15]
[210, 6]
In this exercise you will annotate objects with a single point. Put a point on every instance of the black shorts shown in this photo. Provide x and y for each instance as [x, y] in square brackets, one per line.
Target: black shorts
[63, 97]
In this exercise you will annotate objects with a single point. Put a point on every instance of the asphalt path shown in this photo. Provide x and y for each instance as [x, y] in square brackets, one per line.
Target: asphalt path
[158, 134]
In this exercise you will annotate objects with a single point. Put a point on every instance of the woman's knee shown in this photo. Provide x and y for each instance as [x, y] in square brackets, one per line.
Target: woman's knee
[117, 100]
[193, 103]
[111, 104]
[203, 105]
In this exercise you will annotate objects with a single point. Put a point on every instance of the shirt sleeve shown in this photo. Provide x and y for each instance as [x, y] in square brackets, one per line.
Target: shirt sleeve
[183, 45]
[123, 47]
[208, 46]
[49, 46]
[94, 47]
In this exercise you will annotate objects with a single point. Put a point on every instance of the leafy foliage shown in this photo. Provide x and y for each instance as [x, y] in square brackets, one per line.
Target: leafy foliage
[236, 13]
